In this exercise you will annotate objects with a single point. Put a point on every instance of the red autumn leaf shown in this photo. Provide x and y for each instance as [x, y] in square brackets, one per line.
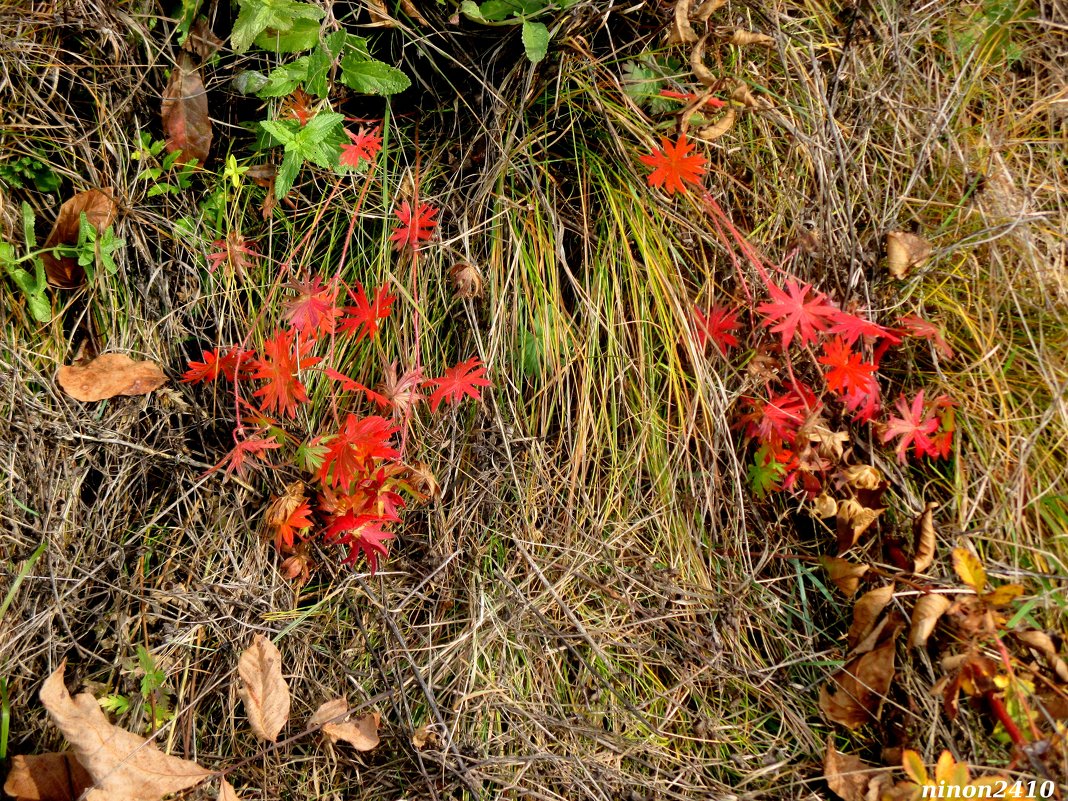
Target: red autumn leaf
[674, 165]
[313, 312]
[401, 390]
[459, 380]
[186, 121]
[913, 428]
[851, 328]
[690, 97]
[918, 327]
[849, 373]
[365, 314]
[360, 533]
[351, 385]
[717, 325]
[235, 363]
[415, 227]
[797, 311]
[283, 359]
[245, 450]
[298, 520]
[350, 452]
[365, 146]
[777, 420]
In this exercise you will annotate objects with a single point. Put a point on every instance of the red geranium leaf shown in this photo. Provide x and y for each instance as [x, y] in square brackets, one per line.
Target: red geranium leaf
[415, 226]
[913, 428]
[313, 312]
[459, 380]
[363, 317]
[245, 450]
[674, 165]
[365, 146]
[283, 359]
[233, 362]
[298, 520]
[918, 327]
[851, 328]
[717, 325]
[355, 386]
[777, 420]
[849, 372]
[360, 533]
[796, 311]
[350, 452]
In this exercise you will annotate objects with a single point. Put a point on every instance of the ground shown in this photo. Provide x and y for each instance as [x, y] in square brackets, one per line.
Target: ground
[595, 604]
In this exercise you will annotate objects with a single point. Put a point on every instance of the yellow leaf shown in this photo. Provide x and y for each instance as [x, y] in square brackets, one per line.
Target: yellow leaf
[1003, 595]
[969, 568]
[912, 762]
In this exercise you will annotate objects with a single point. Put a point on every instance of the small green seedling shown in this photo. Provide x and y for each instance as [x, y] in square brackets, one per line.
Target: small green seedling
[154, 169]
[33, 285]
[97, 248]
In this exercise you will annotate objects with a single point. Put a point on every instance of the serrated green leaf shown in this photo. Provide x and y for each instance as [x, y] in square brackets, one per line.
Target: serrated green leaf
[303, 35]
[535, 41]
[471, 10]
[39, 307]
[279, 16]
[765, 472]
[186, 17]
[372, 77]
[319, 63]
[249, 82]
[286, 78]
[28, 221]
[283, 132]
[115, 704]
[287, 174]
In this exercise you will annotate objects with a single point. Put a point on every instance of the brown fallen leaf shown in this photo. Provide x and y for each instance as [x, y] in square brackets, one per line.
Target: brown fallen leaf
[697, 64]
[227, 792]
[707, 8]
[412, 10]
[264, 691]
[123, 766]
[743, 95]
[925, 539]
[854, 695]
[825, 506]
[852, 521]
[1043, 643]
[361, 733]
[713, 131]
[848, 776]
[925, 616]
[186, 122]
[862, 476]
[466, 280]
[886, 629]
[100, 210]
[47, 777]
[681, 30]
[866, 611]
[743, 38]
[108, 375]
[425, 737]
[202, 40]
[843, 574]
[905, 251]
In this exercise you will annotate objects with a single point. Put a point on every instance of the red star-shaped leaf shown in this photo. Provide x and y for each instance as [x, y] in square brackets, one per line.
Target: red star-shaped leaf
[674, 165]
[913, 428]
[283, 359]
[459, 380]
[415, 226]
[365, 146]
[796, 310]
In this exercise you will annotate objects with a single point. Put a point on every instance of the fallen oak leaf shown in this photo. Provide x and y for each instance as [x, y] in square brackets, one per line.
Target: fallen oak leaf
[99, 209]
[108, 375]
[264, 691]
[332, 719]
[123, 766]
[47, 777]
[186, 121]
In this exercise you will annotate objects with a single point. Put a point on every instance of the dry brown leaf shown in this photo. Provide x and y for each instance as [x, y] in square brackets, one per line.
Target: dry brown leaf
[425, 737]
[829, 444]
[100, 210]
[123, 766]
[412, 10]
[264, 691]
[707, 9]
[379, 14]
[969, 568]
[862, 476]
[361, 733]
[466, 280]
[743, 95]
[743, 38]
[697, 63]
[924, 539]
[108, 375]
[227, 792]
[925, 616]
[681, 30]
[853, 520]
[843, 574]
[866, 611]
[886, 629]
[47, 777]
[825, 506]
[1043, 643]
[854, 695]
[202, 40]
[712, 132]
[905, 251]
[846, 775]
[186, 122]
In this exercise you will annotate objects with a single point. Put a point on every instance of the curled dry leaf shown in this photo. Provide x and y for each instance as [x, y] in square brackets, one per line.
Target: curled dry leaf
[47, 777]
[186, 122]
[924, 538]
[108, 375]
[361, 733]
[681, 30]
[466, 280]
[123, 766]
[825, 506]
[867, 610]
[862, 476]
[743, 38]
[712, 132]
[743, 95]
[1043, 643]
[854, 695]
[425, 737]
[843, 574]
[853, 520]
[905, 251]
[925, 616]
[99, 209]
[264, 691]
[697, 64]
[202, 40]
[848, 776]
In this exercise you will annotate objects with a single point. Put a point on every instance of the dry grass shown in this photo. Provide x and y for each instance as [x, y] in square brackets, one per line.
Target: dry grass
[596, 609]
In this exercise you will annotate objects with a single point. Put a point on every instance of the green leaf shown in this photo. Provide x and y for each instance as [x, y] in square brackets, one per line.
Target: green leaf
[535, 41]
[115, 704]
[471, 10]
[39, 307]
[280, 16]
[765, 472]
[285, 79]
[303, 35]
[28, 221]
[154, 677]
[283, 132]
[319, 64]
[186, 16]
[249, 82]
[372, 77]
